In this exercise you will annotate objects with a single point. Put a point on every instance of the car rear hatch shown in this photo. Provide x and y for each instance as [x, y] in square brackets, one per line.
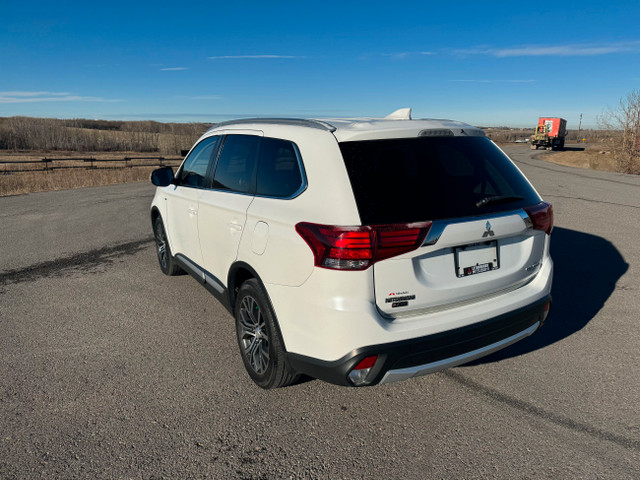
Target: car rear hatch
[484, 224]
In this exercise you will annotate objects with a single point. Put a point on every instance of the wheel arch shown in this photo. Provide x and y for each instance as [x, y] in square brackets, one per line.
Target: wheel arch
[155, 213]
[239, 273]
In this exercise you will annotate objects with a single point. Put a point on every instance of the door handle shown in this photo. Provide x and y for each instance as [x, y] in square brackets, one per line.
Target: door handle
[235, 226]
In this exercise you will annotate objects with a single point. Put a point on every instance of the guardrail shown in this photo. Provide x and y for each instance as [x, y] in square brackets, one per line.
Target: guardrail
[89, 163]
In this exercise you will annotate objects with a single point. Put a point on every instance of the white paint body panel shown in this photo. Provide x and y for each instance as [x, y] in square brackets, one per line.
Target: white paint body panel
[181, 221]
[221, 223]
[430, 275]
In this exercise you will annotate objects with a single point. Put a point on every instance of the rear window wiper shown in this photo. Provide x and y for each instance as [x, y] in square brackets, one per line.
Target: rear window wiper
[497, 199]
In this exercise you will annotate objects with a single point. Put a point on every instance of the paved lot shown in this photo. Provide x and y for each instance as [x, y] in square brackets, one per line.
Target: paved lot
[108, 369]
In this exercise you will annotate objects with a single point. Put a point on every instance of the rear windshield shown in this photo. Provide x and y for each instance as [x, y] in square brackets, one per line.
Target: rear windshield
[432, 178]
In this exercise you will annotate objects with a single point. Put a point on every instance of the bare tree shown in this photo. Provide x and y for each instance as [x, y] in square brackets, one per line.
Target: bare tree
[624, 124]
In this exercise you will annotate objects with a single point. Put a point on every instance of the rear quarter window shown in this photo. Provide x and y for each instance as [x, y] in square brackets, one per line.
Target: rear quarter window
[279, 173]
[431, 178]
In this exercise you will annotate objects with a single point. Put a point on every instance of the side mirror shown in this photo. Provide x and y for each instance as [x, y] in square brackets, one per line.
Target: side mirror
[162, 177]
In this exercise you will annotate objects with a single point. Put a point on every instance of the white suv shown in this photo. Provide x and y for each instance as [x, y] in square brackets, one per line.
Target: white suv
[358, 251]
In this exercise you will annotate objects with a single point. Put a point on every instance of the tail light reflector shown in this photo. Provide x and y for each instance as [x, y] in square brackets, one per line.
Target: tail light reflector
[541, 216]
[358, 376]
[359, 247]
[367, 362]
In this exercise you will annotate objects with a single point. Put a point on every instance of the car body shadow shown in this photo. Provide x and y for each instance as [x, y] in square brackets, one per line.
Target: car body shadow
[586, 270]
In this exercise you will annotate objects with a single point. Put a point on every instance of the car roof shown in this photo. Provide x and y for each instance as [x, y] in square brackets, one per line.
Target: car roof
[397, 125]
[381, 128]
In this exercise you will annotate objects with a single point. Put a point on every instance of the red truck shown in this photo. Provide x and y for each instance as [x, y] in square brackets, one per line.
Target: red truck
[550, 133]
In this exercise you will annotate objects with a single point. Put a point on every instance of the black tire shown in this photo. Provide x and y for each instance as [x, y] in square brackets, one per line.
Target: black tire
[167, 263]
[261, 346]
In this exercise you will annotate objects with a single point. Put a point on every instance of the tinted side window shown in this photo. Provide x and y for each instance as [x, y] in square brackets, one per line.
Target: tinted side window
[278, 169]
[235, 170]
[194, 169]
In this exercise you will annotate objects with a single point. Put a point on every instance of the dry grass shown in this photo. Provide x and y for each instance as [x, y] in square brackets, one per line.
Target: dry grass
[62, 179]
[24, 139]
[594, 157]
[65, 179]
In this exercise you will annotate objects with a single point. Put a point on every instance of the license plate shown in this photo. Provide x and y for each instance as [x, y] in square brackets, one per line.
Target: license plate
[476, 258]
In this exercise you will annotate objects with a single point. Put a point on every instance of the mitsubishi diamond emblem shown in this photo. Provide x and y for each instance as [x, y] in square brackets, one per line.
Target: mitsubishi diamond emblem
[489, 232]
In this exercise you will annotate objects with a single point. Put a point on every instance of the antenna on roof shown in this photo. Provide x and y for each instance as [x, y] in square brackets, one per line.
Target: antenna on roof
[400, 114]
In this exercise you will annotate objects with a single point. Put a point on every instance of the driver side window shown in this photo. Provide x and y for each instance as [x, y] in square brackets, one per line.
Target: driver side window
[194, 169]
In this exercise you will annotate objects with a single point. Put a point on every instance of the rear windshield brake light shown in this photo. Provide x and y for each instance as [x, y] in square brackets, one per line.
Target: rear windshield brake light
[359, 247]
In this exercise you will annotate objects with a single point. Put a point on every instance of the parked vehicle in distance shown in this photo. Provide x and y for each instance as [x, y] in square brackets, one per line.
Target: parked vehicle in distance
[358, 251]
[550, 133]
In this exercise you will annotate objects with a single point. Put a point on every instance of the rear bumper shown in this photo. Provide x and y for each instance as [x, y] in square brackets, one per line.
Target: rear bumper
[419, 356]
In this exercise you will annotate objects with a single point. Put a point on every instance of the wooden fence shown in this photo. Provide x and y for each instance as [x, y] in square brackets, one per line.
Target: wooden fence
[50, 164]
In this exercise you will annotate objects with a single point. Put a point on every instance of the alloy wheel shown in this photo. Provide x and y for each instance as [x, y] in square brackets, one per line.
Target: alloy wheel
[161, 244]
[253, 334]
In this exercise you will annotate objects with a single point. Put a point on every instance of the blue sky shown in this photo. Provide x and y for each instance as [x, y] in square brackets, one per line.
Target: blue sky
[486, 63]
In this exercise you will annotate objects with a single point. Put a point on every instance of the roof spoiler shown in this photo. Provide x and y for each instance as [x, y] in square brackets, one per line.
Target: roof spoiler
[400, 114]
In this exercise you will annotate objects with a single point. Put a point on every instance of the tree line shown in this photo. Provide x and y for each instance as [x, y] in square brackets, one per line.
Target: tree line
[82, 135]
[620, 131]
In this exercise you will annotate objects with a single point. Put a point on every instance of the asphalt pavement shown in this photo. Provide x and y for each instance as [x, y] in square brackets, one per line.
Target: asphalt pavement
[109, 369]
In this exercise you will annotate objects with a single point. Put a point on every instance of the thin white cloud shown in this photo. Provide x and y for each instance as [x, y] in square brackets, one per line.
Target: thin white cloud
[403, 55]
[32, 94]
[571, 50]
[492, 81]
[33, 97]
[235, 57]
[173, 69]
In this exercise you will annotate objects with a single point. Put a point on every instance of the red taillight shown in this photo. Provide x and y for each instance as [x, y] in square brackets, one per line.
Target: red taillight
[541, 216]
[357, 248]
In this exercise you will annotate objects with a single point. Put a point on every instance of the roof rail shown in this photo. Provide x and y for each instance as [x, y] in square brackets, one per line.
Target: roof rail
[279, 121]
